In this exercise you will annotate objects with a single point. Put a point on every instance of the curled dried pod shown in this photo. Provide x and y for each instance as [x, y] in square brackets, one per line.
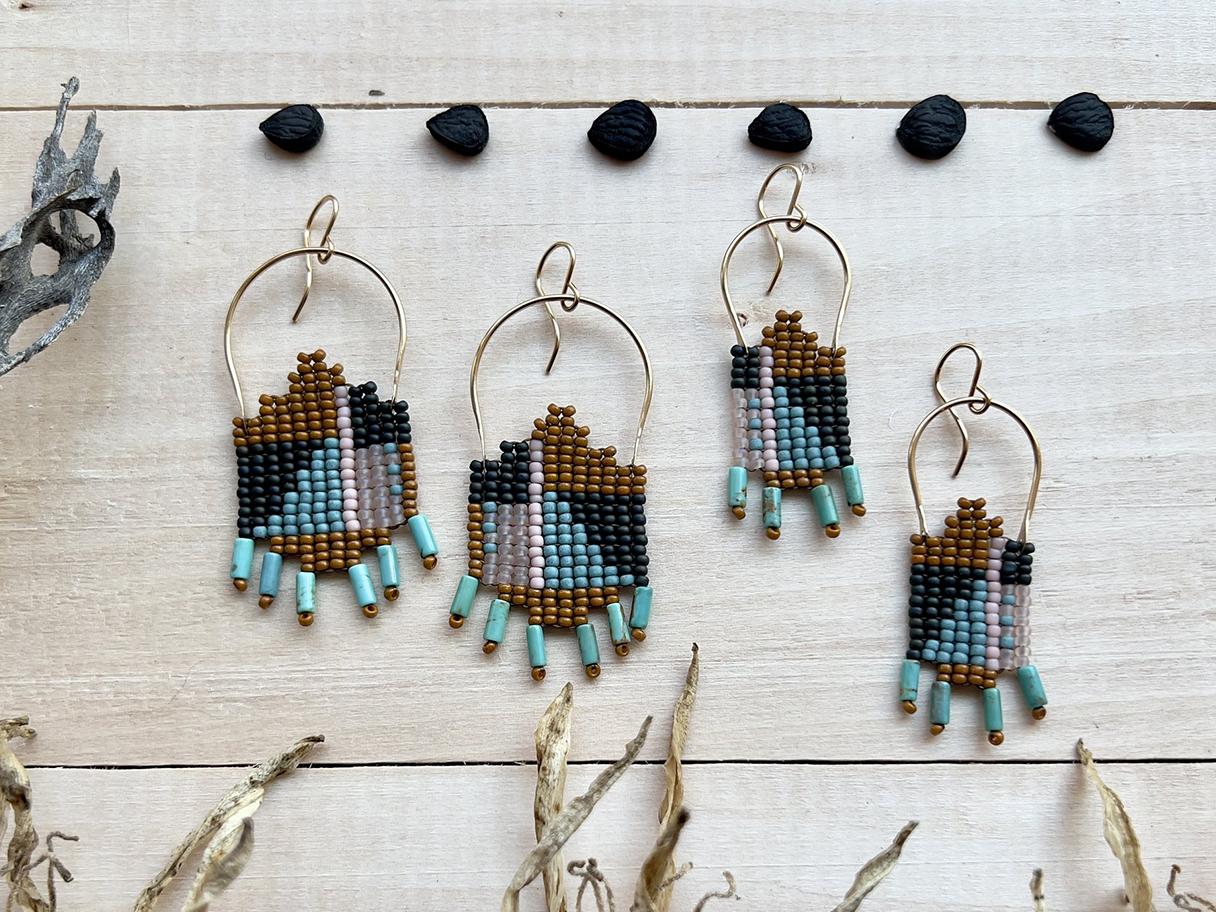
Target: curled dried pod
[933, 127]
[625, 131]
[295, 129]
[782, 128]
[1084, 121]
[462, 129]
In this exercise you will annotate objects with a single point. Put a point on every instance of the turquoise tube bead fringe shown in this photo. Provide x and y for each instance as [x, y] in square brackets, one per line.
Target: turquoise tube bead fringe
[939, 703]
[1032, 686]
[643, 596]
[272, 567]
[390, 570]
[736, 487]
[616, 624]
[361, 582]
[242, 559]
[306, 592]
[772, 508]
[852, 485]
[420, 528]
[462, 601]
[909, 680]
[825, 505]
[994, 720]
[496, 623]
[536, 645]
[588, 647]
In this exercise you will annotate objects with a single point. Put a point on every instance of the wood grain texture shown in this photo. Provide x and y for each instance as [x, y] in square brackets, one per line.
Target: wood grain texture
[1086, 281]
[164, 53]
[793, 836]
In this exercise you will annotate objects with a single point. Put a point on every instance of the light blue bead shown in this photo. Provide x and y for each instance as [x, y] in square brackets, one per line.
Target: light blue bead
[394, 468]
[290, 508]
[1006, 620]
[753, 403]
[550, 495]
[736, 487]
[536, 645]
[306, 592]
[490, 548]
[489, 527]
[825, 505]
[291, 497]
[616, 624]
[785, 465]
[611, 579]
[274, 530]
[489, 507]
[361, 582]
[772, 508]
[242, 559]
[582, 582]
[852, 485]
[588, 646]
[643, 597]
[1007, 642]
[1032, 686]
[626, 579]
[496, 623]
[1007, 599]
[390, 448]
[909, 679]
[334, 517]
[322, 528]
[580, 538]
[939, 703]
[259, 531]
[396, 490]
[564, 550]
[566, 582]
[816, 463]
[929, 654]
[994, 720]
[420, 528]
[958, 658]
[755, 444]
[462, 601]
[331, 443]
[390, 571]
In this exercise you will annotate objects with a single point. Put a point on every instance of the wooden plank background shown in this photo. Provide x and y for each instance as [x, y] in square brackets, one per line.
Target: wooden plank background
[1085, 279]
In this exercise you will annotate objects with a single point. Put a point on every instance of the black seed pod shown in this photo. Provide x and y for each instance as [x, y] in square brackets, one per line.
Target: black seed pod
[625, 131]
[295, 129]
[1084, 121]
[782, 128]
[933, 127]
[462, 129]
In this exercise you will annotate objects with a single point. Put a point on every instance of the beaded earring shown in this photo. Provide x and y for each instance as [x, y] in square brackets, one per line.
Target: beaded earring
[556, 525]
[969, 607]
[790, 394]
[325, 471]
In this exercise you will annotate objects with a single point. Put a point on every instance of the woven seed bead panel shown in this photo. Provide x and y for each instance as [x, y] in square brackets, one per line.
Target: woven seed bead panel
[969, 615]
[791, 422]
[325, 472]
[558, 527]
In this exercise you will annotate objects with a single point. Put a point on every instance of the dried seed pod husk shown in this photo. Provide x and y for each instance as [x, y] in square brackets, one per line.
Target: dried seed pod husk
[294, 129]
[782, 128]
[1084, 121]
[462, 129]
[625, 131]
[933, 127]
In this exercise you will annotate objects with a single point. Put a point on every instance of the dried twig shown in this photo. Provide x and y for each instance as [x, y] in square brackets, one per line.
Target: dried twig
[654, 880]
[1188, 902]
[1036, 891]
[552, 748]
[569, 820]
[591, 876]
[1121, 837]
[878, 867]
[23, 894]
[729, 893]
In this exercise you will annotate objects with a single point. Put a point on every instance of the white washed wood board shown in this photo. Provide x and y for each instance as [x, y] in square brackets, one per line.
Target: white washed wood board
[1087, 281]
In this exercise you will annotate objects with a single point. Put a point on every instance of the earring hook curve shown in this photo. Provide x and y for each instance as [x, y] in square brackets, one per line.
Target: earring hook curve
[568, 288]
[975, 389]
[325, 242]
[779, 249]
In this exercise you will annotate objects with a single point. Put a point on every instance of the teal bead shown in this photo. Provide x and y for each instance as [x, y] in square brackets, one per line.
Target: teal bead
[588, 646]
[939, 703]
[1032, 687]
[272, 567]
[642, 598]
[306, 592]
[736, 487]
[242, 559]
[993, 718]
[536, 645]
[361, 582]
[423, 537]
[825, 505]
[616, 624]
[496, 623]
[390, 572]
[852, 485]
[772, 508]
[396, 490]
[462, 601]
[909, 680]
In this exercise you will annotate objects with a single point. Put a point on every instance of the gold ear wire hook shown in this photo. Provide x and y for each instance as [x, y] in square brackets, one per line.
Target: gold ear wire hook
[325, 242]
[568, 288]
[793, 207]
[984, 399]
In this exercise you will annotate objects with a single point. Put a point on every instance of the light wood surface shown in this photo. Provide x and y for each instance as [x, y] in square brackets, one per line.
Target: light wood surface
[1086, 280]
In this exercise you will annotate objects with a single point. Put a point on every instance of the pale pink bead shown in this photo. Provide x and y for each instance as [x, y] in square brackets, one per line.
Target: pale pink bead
[771, 465]
[766, 372]
[536, 562]
[768, 434]
[346, 462]
[993, 595]
[535, 551]
[347, 474]
[993, 630]
[999, 544]
[353, 525]
[536, 582]
[766, 361]
[343, 411]
[769, 424]
[993, 576]
[991, 617]
[348, 515]
[343, 423]
[537, 541]
[537, 477]
[994, 554]
[768, 402]
[992, 665]
[346, 443]
[535, 489]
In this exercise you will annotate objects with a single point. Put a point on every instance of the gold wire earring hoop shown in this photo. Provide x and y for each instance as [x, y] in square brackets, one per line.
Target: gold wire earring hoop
[975, 389]
[568, 287]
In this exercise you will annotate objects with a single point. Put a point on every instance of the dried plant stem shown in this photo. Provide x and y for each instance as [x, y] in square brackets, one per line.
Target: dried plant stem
[569, 820]
[1188, 902]
[1036, 891]
[227, 818]
[552, 748]
[874, 870]
[591, 876]
[1121, 837]
[730, 893]
[653, 880]
[23, 894]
